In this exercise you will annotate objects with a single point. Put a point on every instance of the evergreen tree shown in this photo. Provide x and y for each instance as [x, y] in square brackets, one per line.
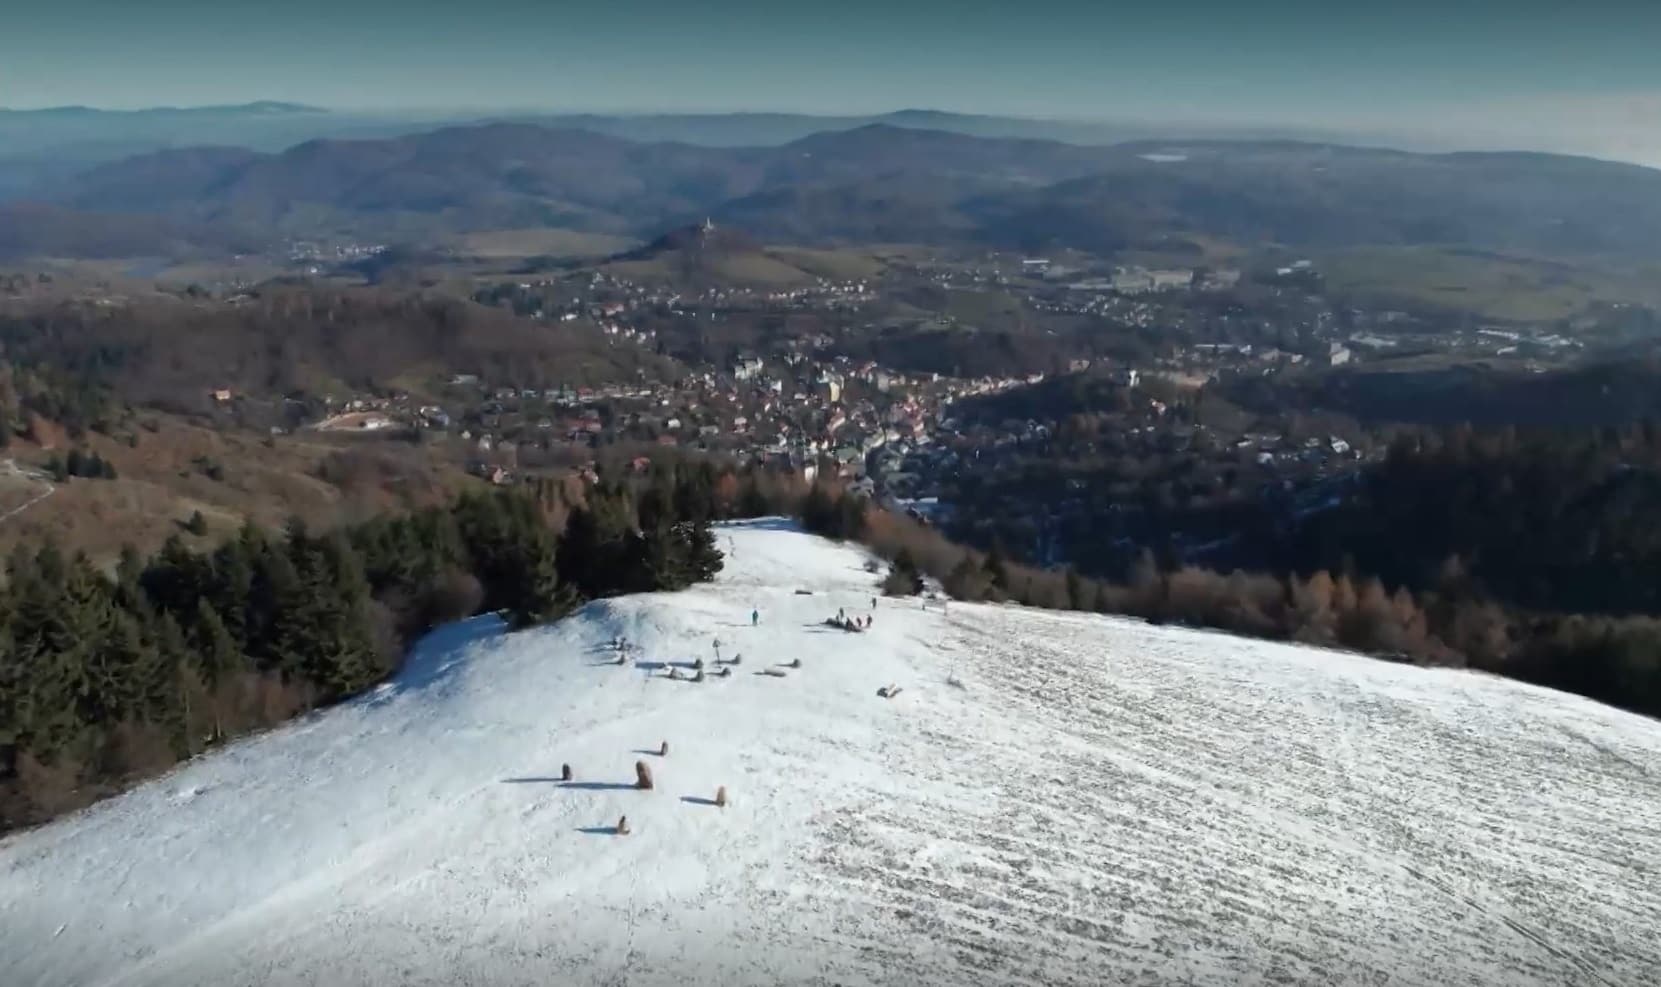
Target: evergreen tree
[819, 513]
[704, 559]
[663, 560]
[176, 577]
[129, 577]
[751, 501]
[120, 668]
[274, 590]
[233, 584]
[903, 578]
[217, 654]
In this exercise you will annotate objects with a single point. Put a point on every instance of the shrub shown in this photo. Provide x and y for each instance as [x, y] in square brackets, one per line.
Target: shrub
[642, 776]
[454, 595]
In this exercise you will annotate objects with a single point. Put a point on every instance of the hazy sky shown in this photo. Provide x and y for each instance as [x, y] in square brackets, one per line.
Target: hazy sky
[1580, 75]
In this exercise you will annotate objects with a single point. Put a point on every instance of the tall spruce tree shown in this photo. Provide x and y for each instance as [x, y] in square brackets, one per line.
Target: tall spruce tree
[704, 559]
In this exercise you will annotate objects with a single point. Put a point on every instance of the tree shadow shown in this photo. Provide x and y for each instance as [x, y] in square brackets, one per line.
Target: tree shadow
[580, 786]
[435, 659]
[598, 830]
[651, 666]
[763, 524]
[697, 800]
[641, 750]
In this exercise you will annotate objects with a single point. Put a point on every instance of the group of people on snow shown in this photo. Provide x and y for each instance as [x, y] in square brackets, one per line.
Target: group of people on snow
[848, 623]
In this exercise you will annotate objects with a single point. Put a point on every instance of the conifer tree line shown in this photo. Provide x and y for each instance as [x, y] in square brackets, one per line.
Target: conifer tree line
[106, 679]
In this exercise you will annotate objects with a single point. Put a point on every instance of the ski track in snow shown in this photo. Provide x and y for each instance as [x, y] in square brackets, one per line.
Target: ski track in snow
[1102, 802]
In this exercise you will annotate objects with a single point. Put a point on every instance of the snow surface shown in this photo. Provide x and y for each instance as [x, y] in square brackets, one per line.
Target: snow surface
[1099, 802]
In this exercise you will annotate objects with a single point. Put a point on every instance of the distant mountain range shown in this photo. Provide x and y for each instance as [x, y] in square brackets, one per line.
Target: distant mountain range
[258, 108]
[879, 182]
[272, 126]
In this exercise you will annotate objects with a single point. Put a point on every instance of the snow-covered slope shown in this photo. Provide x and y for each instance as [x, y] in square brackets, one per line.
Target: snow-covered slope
[1101, 801]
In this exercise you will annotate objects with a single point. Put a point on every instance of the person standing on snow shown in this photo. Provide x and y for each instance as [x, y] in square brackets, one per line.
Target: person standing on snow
[755, 617]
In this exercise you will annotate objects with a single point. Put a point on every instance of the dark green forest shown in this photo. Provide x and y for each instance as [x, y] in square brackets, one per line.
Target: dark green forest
[108, 679]
[1534, 558]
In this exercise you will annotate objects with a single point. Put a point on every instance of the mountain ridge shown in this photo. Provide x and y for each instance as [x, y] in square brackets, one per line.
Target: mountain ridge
[885, 182]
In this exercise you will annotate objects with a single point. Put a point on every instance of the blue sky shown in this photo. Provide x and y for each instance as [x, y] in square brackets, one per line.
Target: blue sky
[1533, 73]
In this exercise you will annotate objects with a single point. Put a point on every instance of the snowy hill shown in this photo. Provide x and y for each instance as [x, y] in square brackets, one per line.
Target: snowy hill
[1101, 802]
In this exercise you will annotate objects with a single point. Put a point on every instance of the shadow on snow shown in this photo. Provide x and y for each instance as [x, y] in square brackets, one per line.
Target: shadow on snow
[580, 786]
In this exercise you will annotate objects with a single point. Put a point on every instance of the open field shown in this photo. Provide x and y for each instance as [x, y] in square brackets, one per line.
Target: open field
[832, 265]
[540, 242]
[1057, 799]
[751, 269]
[1487, 285]
[180, 467]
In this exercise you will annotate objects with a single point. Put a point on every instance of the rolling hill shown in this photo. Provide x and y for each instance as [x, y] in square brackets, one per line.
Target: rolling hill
[1592, 395]
[1093, 800]
[899, 184]
[699, 256]
[283, 339]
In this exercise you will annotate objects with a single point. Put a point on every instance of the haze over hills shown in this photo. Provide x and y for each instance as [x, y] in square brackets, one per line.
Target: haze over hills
[274, 125]
[39, 145]
[892, 183]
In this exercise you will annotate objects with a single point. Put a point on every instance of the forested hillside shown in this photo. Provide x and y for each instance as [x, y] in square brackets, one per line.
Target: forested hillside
[283, 338]
[107, 680]
[886, 184]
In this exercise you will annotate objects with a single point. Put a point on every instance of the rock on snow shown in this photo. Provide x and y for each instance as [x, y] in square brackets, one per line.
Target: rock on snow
[1100, 801]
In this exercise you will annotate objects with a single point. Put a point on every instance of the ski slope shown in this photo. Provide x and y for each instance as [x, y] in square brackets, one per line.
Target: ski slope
[1099, 802]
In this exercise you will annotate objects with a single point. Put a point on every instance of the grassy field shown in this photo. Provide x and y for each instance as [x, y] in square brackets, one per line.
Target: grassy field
[1210, 251]
[1488, 285]
[753, 269]
[541, 242]
[177, 468]
[985, 309]
[833, 265]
